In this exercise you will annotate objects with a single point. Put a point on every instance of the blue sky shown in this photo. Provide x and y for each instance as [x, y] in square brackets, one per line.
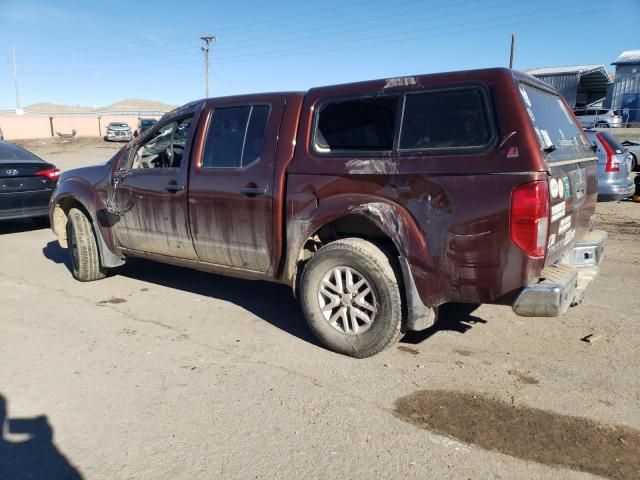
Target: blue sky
[91, 53]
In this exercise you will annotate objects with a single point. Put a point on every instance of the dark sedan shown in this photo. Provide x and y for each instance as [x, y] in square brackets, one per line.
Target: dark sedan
[26, 184]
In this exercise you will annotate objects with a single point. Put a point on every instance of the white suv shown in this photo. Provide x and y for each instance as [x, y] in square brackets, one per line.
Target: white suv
[598, 117]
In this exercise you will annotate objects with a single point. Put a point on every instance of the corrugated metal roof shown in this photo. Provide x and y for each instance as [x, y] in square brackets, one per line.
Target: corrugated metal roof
[628, 57]
[579, 69]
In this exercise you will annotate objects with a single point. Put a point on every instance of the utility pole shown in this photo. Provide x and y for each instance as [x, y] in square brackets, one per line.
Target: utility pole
[15, 78]
[513, 49]
[208, 40]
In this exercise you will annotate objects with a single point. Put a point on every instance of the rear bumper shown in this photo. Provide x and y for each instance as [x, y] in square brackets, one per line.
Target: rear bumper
[24, 213]
[564, 284]
[616, 191]
[24, 204]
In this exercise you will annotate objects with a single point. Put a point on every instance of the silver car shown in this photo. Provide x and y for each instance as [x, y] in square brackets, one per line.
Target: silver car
[119, 131]
[598, 117]
[614, 166]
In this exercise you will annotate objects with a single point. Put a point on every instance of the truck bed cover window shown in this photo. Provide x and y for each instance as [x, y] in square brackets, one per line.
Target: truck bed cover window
[558, 134]
[452, 119]
[356, 124]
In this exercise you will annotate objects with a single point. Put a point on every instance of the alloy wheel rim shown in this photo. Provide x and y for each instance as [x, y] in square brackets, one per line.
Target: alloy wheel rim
[347, 300]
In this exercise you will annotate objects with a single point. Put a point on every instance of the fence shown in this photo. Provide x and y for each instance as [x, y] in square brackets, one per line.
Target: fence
[18, 127]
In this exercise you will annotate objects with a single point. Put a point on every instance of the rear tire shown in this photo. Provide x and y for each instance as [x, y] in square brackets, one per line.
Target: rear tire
[602, 125]
[365, 315]
[83, 248]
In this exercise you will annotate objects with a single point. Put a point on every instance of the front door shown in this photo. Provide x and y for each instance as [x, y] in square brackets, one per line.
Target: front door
[231, 185]
[150, 193]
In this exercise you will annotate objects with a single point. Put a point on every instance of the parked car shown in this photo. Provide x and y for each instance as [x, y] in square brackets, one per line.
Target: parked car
[634, 150]
[144, 124]
[26, 184]
[376, 202]
[119, 131]
[614, 166]
[598, 118]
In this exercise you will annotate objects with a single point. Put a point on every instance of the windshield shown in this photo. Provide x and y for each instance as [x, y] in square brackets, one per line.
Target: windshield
[558, 134]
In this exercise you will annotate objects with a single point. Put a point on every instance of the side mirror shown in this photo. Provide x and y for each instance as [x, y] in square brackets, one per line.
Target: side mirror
[594, 148]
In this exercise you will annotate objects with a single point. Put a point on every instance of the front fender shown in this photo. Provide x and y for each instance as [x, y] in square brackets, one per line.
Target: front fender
[76, 191]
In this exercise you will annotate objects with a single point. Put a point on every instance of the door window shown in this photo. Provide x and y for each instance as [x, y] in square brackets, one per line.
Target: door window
[165, 148]
[235, 137]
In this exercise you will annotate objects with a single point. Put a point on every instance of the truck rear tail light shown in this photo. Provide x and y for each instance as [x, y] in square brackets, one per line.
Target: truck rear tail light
[529, 220]
[51, 173]
[613, 164]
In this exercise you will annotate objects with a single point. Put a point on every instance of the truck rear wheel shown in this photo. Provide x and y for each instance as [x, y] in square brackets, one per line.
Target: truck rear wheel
[83, 248]
[351, 299]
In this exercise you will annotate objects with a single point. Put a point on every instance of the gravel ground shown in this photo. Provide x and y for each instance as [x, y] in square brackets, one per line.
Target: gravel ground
[162, 372]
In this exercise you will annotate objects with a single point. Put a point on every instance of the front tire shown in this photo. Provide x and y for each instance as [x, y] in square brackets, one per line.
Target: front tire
[83, 248]
[351, 299]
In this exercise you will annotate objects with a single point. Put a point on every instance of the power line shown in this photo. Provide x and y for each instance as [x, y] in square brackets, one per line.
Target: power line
[313, 33]
[364, 42]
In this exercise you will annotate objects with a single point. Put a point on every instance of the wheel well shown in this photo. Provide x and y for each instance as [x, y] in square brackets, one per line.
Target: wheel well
[60, 216]
[352, 225]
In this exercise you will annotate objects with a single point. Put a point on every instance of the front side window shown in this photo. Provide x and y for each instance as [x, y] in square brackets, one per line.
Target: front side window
[444, 120]
[364, 124]
[166, 148]
[235, 137]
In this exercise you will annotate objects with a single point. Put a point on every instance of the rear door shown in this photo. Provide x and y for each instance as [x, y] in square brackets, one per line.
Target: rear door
[231, 188]
[572, 167]
[150, 192]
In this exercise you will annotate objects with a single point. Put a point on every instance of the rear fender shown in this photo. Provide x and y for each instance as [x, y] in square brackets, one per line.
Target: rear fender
[393, 220]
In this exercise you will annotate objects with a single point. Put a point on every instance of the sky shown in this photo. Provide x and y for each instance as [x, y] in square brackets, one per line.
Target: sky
[98, 53]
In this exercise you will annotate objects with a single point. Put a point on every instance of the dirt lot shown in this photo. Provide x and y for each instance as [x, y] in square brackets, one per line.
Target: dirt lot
[161, 372]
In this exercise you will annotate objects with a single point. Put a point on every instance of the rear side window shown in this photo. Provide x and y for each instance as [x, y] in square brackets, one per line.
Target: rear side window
[442, 120]
[235, 137]
[362, 124]
[558, 134]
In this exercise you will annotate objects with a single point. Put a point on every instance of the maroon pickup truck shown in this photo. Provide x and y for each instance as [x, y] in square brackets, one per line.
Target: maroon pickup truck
[375, 201]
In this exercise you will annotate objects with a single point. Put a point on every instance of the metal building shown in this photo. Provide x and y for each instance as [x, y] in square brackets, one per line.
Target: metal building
[625, 92]
[580, 85]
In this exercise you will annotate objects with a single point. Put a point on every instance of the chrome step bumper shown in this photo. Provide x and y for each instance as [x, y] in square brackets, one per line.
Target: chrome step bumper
[564, 284]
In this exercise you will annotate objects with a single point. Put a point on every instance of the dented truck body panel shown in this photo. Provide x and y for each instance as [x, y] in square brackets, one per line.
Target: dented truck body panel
[445, 214]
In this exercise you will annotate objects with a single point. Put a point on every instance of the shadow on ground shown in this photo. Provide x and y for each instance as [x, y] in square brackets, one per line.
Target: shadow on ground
[21, 225]
[271, 302]
[33, 454]
[452, 317]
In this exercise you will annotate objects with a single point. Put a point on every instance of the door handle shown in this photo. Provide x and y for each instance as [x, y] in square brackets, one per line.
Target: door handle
[174, 188]
[253, 191]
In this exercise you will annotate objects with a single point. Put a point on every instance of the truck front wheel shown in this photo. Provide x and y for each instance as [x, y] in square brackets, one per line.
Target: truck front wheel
[83, 248]
[351, 299]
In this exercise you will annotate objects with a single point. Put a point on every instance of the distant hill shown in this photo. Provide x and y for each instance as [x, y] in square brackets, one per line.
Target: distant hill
[129, 105]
